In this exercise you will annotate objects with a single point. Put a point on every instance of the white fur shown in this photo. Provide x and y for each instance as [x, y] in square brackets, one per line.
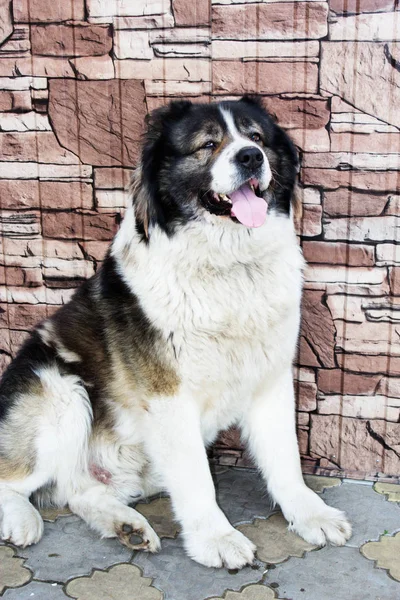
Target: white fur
[225, 176]
[21, 524]
[231, 297]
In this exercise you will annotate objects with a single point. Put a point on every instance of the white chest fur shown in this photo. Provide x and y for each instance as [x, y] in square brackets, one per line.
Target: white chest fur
[226, 299]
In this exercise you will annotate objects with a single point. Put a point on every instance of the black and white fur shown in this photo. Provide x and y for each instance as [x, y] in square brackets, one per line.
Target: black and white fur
[189, 327]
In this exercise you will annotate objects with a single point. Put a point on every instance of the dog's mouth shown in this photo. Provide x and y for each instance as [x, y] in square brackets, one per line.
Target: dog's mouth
[246, 204]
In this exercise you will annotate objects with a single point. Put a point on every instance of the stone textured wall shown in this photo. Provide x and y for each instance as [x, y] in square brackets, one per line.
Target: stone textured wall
[77, 78]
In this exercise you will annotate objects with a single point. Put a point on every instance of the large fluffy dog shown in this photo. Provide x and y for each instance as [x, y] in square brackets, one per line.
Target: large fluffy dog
[189, 327]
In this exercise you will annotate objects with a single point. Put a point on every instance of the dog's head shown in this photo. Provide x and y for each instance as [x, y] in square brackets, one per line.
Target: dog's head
[228, 159]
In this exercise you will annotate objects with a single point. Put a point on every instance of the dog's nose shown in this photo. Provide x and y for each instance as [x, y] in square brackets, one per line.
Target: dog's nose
[250, 157]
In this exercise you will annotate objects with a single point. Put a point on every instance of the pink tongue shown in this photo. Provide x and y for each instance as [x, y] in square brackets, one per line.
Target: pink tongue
[248, 208]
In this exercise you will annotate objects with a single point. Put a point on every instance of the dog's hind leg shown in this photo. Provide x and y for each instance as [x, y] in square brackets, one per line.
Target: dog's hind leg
[101, 509]
[43, 442]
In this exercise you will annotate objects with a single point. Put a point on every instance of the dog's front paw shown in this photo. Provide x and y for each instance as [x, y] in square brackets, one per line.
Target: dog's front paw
[21, 524]
[231, 549]
[318, 523]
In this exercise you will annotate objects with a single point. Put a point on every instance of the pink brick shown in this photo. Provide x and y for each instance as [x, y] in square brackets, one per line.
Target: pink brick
[353, 444]
[6, 25]
[38, 146]
[339, 253]
[78, 226]
[68, 40]
[95, 250]
[299, 113]
[192, 13]
[26, 11]
[236, 77]
[17, 194]
[336, 381]
[318, 328]
[17, 101]
[302, 437]
[110, 135]
[112, 178]
[394, 279]
[359, 180]
[361, 6]
[36, 66]
[307, 395]
[11, 276]
[365, 363]
[24, 316]
[93, 67]
[6, 101]
[306, 355]
[384, 143]
[343, 202]
[311, 221]
[271, 21]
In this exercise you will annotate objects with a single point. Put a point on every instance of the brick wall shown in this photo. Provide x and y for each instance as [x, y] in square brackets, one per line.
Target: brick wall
[76, 79]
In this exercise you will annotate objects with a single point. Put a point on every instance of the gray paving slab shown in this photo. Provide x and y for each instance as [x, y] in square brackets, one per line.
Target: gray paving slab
[332, 574]
[369, 513]
[36, 591]
[69, 548]
[180, 578]
[242, 495]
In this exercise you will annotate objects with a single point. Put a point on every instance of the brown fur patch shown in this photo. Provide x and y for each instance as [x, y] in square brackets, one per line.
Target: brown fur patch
[11, 470]
[148, 378]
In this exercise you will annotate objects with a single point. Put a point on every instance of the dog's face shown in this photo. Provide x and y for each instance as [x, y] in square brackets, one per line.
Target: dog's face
[229, 159]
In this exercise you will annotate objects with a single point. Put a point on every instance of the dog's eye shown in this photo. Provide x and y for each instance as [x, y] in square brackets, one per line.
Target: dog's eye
[210, 145]
[256, 137]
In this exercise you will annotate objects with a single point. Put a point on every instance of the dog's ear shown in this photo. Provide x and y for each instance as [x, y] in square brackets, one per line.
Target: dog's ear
[253, 99]
[289, 167]
[145, 190]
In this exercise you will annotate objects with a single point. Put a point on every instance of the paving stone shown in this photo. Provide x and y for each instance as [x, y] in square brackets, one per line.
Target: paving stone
[332, 573]
[390, 490]
[273, 540]
[122, 582]
[198, 582]
[70, 549]
[242, 495]
[160, 516]
[12, 571]
[52, 514]
[369, 513]
[36, 590]
[320, 484]
[386, 553]
[252, 592]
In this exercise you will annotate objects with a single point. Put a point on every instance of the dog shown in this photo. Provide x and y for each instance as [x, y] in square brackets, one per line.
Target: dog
[189, 327]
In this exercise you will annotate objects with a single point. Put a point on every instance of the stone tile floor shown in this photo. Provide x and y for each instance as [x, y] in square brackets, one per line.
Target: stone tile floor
[72, 562]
